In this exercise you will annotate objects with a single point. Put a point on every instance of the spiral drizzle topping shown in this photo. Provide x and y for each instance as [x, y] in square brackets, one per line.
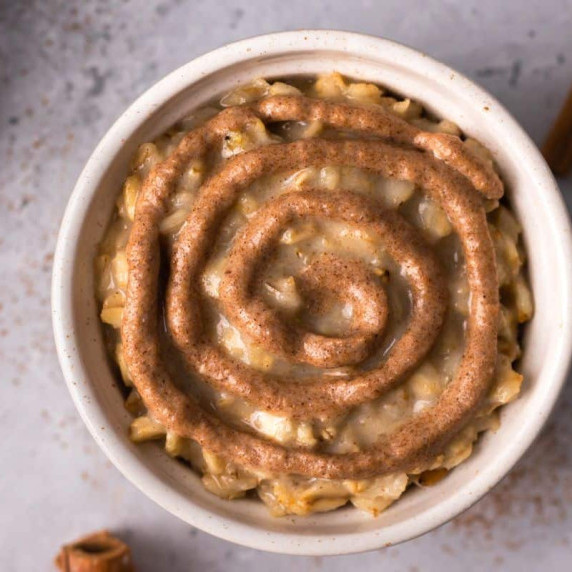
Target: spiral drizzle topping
[438, 163]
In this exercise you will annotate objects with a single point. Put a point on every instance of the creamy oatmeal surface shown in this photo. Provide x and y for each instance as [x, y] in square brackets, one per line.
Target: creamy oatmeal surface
[313, 291]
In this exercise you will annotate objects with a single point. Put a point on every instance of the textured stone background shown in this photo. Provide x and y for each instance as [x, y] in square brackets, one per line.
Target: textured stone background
[67, 70]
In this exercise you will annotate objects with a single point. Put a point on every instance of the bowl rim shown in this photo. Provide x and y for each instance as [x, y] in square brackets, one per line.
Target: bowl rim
[67, 342]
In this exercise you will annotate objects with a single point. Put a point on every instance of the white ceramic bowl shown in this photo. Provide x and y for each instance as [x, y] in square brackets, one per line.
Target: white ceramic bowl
[534, 196]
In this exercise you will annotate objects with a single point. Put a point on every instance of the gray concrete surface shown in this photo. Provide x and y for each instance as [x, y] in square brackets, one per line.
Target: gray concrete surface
[67, 70]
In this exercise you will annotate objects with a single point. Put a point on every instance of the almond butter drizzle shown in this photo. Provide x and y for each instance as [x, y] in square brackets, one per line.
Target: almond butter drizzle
[437, 163]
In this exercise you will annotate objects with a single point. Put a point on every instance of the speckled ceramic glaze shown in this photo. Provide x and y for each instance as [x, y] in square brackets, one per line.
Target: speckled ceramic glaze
[533, 194]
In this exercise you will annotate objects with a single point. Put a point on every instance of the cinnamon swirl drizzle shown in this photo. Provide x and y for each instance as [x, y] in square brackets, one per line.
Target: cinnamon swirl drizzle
[381, 143]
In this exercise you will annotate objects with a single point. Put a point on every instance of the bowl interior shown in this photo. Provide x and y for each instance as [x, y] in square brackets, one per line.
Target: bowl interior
[532, 193]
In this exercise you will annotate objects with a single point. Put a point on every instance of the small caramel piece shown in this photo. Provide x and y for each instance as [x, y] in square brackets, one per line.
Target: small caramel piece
[97, 552]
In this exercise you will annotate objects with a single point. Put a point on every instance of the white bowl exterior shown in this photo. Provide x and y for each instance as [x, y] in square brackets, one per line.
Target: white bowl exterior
[533, 194]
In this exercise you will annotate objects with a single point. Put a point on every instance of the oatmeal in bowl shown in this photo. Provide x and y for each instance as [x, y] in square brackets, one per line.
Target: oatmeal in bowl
[299, 282]
[313, 291]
